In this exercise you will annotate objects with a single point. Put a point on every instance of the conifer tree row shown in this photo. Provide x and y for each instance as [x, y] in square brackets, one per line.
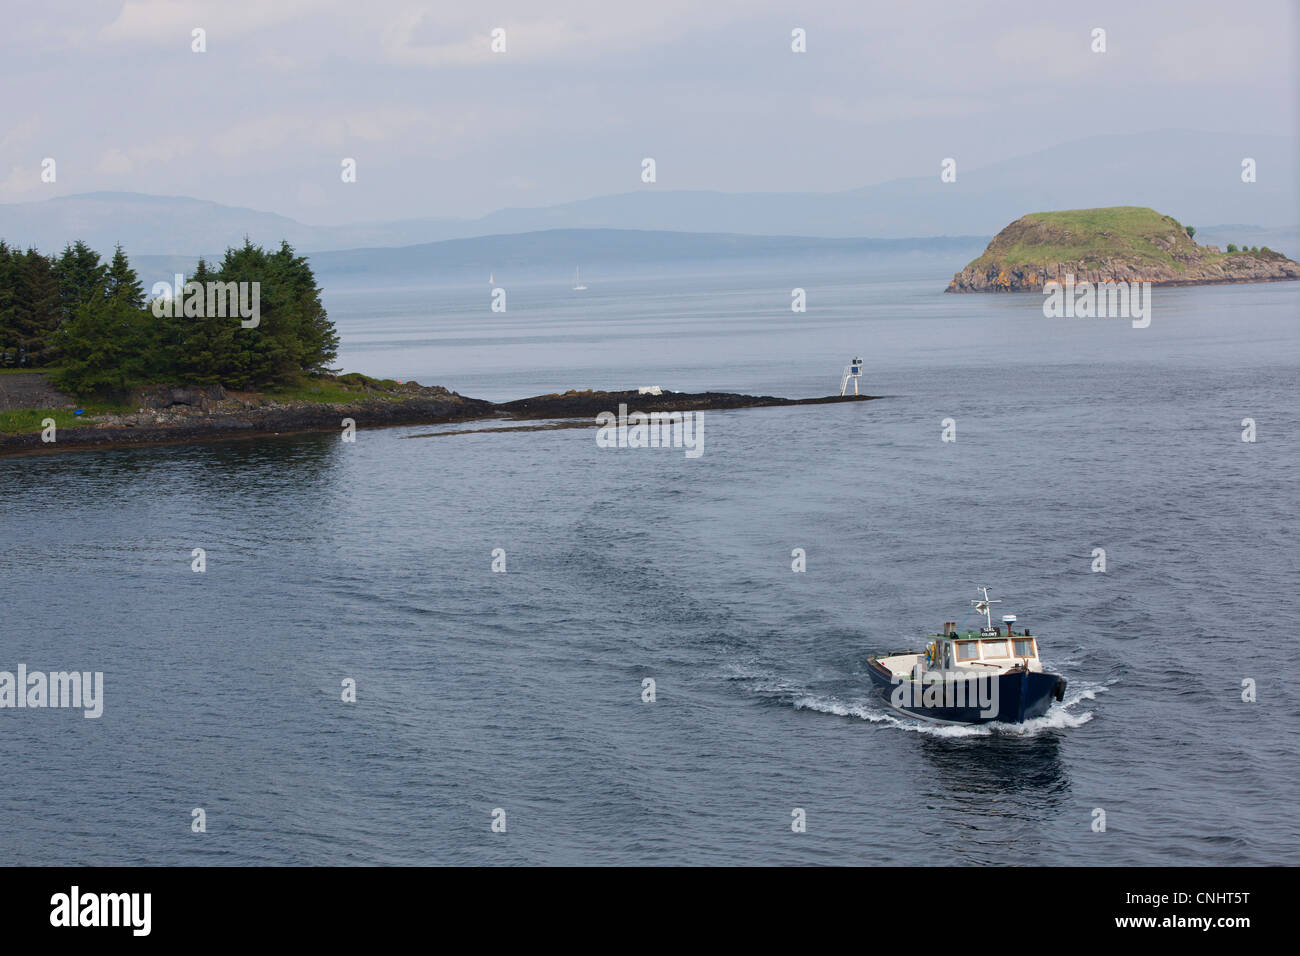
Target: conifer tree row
[92, 322]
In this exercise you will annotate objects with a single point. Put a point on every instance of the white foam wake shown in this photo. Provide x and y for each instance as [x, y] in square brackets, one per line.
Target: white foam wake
[1061, 716]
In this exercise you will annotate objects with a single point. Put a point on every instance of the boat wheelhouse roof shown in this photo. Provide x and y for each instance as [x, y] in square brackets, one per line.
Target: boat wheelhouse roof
[971, 646]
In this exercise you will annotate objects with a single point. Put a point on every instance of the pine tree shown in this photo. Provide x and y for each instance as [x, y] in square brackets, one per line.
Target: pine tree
[261, 356]
[316, 343]
[37, 311]
[109, 338]
[121, 282]
[99, 358]
[8, 333]
[80, 275]
[209, 354]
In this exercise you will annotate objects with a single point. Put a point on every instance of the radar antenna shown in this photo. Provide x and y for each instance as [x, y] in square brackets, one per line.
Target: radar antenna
[984, 607]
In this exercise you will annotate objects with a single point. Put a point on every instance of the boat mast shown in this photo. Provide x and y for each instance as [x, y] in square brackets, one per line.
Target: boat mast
[983, 607]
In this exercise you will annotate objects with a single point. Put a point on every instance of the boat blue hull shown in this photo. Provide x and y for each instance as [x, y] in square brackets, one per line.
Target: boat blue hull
[1017, 697]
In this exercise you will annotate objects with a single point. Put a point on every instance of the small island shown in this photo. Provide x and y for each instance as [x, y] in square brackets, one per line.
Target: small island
[1113, 244]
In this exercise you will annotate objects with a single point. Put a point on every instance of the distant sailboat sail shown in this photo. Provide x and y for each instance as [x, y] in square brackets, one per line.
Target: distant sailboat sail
[491, 281]
[577, 282]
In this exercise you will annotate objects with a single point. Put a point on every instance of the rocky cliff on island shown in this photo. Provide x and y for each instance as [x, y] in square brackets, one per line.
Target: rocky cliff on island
[1115, 244]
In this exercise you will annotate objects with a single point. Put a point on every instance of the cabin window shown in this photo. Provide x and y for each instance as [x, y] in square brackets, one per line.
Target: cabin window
[968, 650]
[995, 648]
[1024, 648]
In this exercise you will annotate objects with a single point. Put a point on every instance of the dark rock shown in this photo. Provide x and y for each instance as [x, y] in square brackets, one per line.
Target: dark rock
[214, 418]
[168, 396]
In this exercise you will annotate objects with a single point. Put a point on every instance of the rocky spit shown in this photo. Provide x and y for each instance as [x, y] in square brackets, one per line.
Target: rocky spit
[185, 414]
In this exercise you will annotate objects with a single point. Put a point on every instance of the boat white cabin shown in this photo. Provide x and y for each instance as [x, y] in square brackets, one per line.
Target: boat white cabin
[998, 657]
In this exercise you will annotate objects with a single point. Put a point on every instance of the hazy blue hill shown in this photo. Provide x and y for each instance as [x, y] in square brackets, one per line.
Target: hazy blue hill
[556, 252]
[143, 224]
[1193, 176]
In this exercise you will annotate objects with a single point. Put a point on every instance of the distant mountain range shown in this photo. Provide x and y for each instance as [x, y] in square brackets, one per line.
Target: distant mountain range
[554, 253]
[1194, 176]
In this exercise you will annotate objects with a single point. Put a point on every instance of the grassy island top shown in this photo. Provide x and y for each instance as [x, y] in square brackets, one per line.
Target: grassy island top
[1130, 234]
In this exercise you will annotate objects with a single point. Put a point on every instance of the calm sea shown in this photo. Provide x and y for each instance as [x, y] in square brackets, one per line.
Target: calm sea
[522, 691]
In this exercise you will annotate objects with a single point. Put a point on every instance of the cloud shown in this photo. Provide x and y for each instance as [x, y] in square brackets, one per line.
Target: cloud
[115, 163]
[19, 136]
[895, 106]
[24, 183]
[568, 30]
[166, 22]
[411, 89]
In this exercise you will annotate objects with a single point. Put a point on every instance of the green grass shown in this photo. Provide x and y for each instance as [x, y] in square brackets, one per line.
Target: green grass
[29, 419]
[327, 389]
[1092, 236]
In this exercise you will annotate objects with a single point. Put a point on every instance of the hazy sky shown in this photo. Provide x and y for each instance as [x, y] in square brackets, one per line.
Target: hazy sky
[441, 126]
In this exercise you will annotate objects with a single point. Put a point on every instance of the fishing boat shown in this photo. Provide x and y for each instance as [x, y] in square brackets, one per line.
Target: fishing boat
[577, 281]
[970, 678]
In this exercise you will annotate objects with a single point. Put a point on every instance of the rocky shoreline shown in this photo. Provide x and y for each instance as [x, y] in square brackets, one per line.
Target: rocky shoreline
[186, 414]
[1031, 278]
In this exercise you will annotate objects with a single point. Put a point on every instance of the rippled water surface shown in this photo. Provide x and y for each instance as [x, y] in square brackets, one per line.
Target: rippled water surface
[522, 691]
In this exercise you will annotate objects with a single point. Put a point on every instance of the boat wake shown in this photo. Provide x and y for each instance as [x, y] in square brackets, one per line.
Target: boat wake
[1065, 715]
[1068, 714]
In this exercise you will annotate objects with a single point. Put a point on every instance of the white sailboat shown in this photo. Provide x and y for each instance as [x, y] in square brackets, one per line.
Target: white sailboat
[577, 282]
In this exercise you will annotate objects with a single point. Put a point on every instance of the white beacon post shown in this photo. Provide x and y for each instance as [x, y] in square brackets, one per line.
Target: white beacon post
[851, 371]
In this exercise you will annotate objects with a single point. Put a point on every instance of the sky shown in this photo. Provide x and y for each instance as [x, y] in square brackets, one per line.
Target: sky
[441, 126]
